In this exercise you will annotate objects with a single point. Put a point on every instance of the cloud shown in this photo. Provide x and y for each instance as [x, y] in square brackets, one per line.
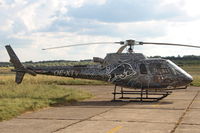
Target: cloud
[34, 52]
[30, 25]
[186, 32]
[127, 11]
[120, 30]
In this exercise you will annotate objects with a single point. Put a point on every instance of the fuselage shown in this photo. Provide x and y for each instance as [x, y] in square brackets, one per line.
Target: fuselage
[145, 73]
[132, 70]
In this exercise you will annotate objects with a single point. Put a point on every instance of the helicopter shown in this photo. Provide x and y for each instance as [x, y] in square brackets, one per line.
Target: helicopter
[151, 78]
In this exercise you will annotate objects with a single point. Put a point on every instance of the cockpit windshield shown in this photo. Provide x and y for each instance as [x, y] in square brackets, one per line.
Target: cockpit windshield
[177, 68]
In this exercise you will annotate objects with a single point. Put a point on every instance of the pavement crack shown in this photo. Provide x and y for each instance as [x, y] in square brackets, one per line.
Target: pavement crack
[151, 108]
[184, 113]
[86, 119]
[136, 121]
[46, 119]
[82, 120]
[191, 124]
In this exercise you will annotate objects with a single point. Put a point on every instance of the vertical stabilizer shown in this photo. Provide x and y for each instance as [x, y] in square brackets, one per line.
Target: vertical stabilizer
[19, 68]
[13, 58]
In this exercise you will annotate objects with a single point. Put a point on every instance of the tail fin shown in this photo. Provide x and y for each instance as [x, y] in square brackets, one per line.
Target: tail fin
[19, 68]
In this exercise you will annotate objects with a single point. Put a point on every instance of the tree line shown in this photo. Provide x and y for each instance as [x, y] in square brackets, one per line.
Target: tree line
[180, 60]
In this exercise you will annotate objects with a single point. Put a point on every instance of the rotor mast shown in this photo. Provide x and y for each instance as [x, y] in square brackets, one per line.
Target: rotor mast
[129, 43]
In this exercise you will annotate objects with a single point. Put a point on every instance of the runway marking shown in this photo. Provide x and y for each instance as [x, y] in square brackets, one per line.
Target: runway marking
[156, 105]
[113, 130]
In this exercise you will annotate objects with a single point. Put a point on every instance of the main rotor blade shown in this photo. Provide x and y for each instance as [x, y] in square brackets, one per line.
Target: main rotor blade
[74, 45]
[171, 44]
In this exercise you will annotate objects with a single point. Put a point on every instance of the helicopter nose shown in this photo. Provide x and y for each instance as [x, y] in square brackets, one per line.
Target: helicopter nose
[187, 79]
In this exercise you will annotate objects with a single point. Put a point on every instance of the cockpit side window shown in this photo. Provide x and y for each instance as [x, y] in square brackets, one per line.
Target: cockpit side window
[143, 69]
[159, 68]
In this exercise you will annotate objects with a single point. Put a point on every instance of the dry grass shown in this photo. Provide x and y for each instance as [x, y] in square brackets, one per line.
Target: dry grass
[34, 93]
[194, 70]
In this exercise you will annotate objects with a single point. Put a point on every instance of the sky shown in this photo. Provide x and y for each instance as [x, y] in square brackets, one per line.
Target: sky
[30, 25]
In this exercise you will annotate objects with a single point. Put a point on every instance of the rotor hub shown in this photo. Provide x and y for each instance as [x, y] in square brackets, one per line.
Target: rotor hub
[131, 44]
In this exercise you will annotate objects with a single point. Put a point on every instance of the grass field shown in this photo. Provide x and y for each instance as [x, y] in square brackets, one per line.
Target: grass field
[16, 99]
[194, 70]
[37, 92]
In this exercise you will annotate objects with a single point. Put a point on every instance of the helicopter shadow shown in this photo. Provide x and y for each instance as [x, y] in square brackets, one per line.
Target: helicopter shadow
[108, 103]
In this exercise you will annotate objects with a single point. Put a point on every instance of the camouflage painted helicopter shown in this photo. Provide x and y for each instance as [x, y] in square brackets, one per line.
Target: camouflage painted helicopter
[152, 78]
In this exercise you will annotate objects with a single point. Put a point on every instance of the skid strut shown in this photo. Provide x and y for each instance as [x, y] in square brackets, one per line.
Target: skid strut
[143, 95]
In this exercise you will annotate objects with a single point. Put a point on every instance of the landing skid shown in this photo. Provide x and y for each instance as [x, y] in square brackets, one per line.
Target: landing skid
[142, 95]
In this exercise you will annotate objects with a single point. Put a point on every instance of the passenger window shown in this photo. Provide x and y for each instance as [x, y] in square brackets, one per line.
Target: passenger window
[143, 69]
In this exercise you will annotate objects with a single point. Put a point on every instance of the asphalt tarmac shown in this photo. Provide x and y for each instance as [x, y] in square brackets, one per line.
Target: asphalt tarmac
[177, 113]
